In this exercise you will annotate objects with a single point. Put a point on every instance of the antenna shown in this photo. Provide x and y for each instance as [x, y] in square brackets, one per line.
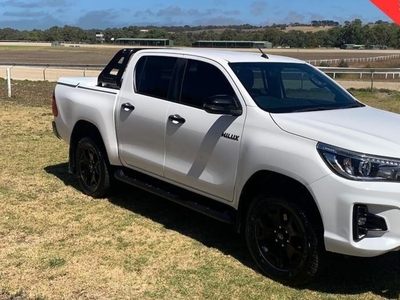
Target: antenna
[262, 52]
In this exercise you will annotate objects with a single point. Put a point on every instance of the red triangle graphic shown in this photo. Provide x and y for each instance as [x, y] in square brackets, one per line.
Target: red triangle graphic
[390, 7]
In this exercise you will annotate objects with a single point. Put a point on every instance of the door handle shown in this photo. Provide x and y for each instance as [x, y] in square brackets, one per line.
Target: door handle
[127, 106]
[176, 119]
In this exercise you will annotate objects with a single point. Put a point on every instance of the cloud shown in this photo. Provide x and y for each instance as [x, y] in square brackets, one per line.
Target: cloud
[175, 11]
[257, 8]
[39, 14]
[175, 15]
[45, 22]
[218, 21]
[232, 12]
[26, 13]
[99, 19]
[146, 13]
[220, 2]
[317, 17]
[171, 11]
[293, 17]
[39, 3]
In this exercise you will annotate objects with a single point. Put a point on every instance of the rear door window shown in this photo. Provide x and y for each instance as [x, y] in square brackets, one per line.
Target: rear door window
[154, 75]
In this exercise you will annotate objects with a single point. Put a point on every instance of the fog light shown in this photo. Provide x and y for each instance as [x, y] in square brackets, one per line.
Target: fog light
[363, 222]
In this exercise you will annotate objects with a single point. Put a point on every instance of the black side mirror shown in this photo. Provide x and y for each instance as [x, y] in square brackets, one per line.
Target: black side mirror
[222, 105]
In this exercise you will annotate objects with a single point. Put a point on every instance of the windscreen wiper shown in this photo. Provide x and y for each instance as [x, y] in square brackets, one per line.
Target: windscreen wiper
[314, 108]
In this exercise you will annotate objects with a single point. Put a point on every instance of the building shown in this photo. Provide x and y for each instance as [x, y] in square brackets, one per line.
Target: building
[145, 42]
[232, 44]
[100, 37]
[352, 46]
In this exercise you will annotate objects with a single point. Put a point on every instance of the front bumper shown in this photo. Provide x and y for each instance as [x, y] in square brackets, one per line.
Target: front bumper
[337, 197]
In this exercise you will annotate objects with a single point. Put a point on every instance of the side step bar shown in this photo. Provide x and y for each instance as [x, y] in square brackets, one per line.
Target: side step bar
[220, 214]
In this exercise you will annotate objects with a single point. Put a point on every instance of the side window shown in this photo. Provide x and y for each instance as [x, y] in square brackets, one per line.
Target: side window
[153, 75]
[201, 81]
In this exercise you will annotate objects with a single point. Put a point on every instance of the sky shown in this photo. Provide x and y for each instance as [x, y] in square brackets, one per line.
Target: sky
[101, 14]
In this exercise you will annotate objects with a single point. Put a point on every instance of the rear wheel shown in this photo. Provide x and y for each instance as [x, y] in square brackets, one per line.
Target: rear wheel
[91, 169]
[282, 240]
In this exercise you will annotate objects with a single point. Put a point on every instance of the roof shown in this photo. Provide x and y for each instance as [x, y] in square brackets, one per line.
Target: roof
[138, 39]
[225, 55]
[208, 41]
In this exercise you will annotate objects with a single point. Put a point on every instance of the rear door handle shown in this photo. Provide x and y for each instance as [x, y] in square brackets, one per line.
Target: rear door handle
[176, 119]
[127, 106]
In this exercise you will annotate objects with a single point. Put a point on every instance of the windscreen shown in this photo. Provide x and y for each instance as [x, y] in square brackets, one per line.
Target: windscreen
[291, 87]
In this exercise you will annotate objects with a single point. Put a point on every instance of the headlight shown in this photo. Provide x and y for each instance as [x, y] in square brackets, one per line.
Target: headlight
[359, 166]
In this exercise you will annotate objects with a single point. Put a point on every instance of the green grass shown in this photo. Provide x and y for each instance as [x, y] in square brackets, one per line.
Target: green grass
[60, 244]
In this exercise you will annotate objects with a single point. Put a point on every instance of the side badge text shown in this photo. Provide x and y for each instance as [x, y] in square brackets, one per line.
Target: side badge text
[230, 136]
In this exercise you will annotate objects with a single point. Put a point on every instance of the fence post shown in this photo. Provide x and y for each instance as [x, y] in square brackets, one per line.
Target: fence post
[84, 71]
[9, 82]
[372, 80]
[44, 72]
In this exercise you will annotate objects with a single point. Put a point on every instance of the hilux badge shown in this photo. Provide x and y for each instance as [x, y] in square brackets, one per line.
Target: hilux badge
[230, 136]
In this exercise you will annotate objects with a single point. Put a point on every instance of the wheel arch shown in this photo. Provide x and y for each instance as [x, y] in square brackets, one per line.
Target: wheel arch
[275, 183]
[84, 129]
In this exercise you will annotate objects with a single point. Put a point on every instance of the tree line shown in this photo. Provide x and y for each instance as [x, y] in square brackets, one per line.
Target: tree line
[354, 32]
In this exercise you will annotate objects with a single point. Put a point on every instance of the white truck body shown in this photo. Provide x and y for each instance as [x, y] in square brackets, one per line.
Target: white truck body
[217, 155]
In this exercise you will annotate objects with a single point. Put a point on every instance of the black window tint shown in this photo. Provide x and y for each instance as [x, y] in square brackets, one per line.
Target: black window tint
[154, 74]
[202, 81]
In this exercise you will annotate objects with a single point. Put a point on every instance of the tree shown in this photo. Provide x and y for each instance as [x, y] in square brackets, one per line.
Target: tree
[274, 35]
[53, 34]
[229, 35]
[352, 33]
[156, 33]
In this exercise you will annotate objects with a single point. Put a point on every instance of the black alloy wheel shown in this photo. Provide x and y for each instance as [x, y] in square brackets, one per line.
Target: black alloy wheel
[91, 169]
[282, 241]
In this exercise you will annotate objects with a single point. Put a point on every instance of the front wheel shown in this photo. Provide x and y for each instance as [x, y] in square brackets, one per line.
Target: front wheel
[282, 240]
[91, 169]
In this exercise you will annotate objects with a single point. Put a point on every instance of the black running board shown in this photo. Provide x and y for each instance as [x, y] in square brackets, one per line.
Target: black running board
[220, 212]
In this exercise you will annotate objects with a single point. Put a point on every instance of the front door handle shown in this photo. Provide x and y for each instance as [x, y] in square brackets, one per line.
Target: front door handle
[177, 119]
[127, 106]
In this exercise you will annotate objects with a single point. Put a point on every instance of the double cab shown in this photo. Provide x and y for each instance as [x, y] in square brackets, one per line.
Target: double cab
[265, 142]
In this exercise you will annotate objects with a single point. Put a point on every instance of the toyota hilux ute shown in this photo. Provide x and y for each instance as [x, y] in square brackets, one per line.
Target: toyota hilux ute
[265, 142]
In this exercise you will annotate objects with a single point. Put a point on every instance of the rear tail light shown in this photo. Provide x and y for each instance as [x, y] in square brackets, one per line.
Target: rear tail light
[54, 105]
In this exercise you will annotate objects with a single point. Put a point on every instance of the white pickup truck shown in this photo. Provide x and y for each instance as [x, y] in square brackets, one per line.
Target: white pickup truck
[266, 142]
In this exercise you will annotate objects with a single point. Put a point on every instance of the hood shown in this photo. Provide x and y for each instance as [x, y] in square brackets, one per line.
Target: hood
[364, 129]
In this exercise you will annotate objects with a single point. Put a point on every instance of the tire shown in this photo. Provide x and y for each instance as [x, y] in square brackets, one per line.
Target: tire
[91, 169]
[282, 241]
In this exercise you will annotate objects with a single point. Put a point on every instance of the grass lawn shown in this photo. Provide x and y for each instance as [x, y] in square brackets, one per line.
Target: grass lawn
[56, 243]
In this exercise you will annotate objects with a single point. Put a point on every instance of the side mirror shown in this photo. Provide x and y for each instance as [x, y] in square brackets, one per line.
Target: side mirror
[222, 105]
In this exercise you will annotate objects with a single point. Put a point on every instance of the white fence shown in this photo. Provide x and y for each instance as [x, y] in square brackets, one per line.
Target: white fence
[47, 72]
[336, 61]
[367, 76]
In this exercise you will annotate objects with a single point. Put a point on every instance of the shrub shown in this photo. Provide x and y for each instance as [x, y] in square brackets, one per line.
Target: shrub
[343, 64]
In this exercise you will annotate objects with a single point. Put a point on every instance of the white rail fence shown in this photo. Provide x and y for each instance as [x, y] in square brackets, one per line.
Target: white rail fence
[336, 61]
[49, 72]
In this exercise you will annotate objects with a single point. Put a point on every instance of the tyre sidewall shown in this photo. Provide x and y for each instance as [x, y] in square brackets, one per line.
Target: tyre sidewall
[308, 267]
[101, 189]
